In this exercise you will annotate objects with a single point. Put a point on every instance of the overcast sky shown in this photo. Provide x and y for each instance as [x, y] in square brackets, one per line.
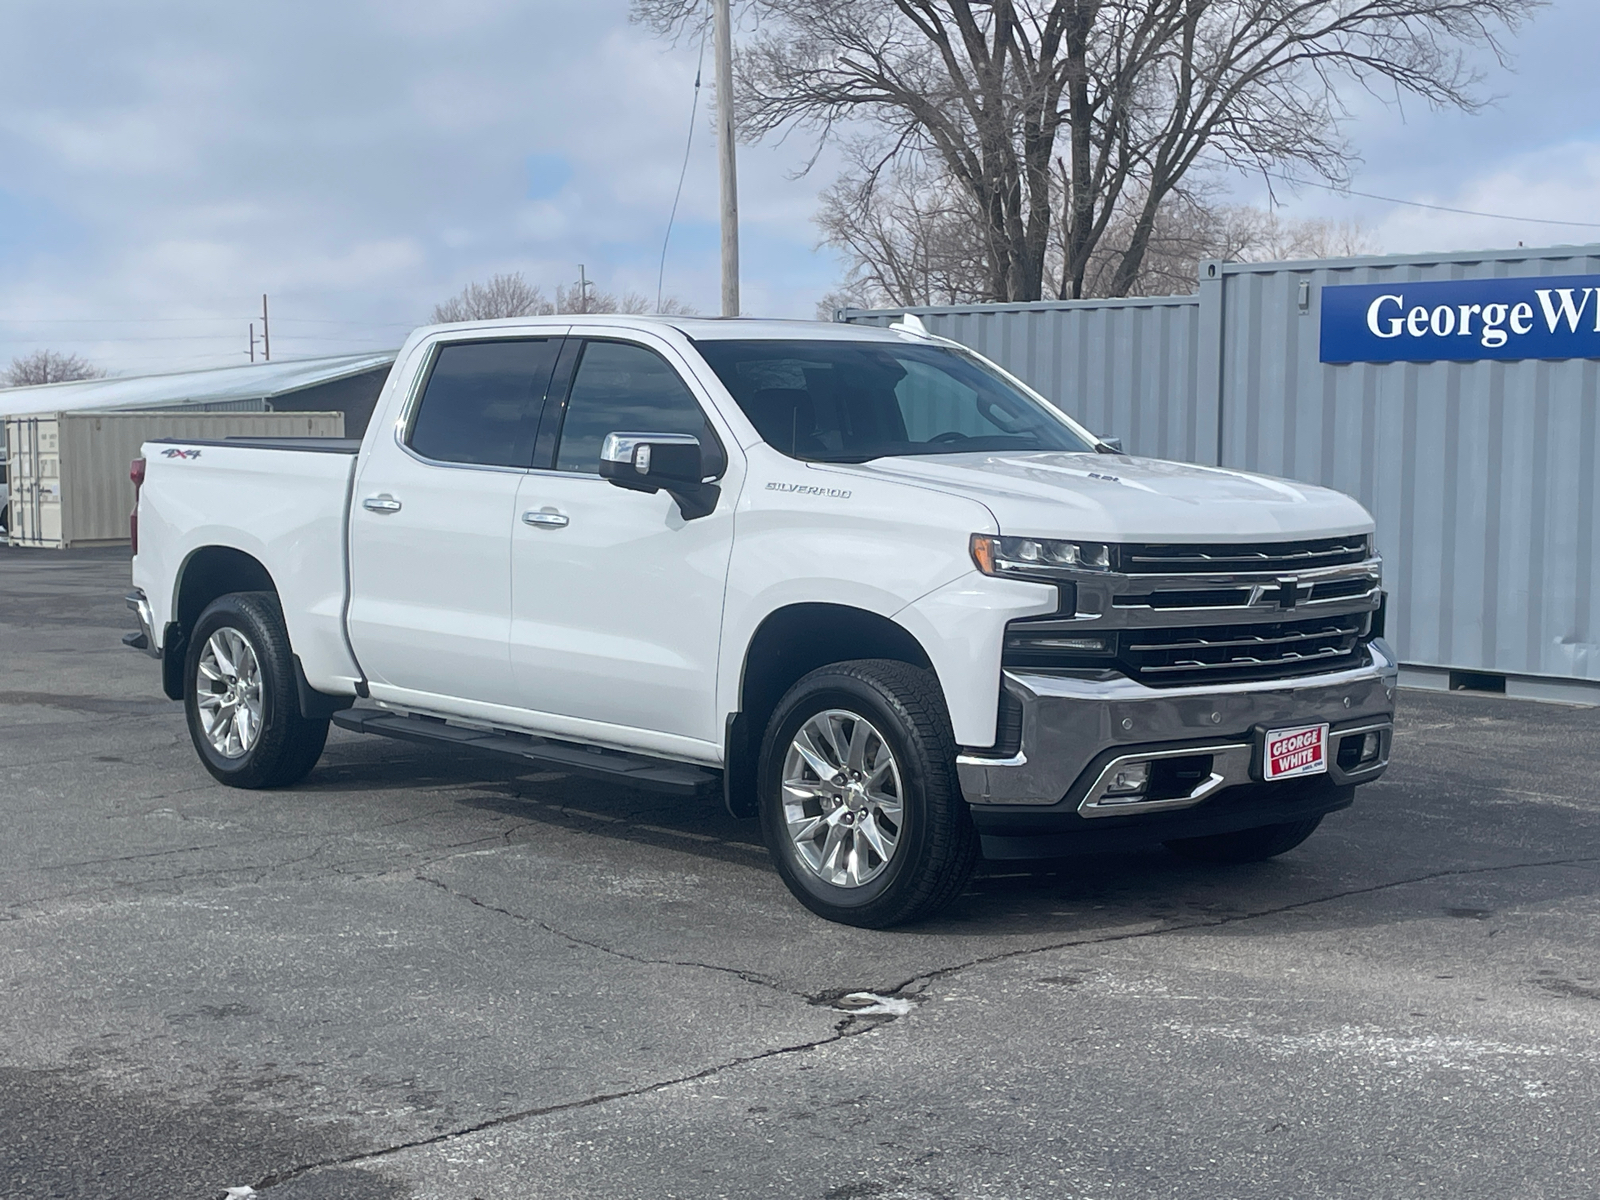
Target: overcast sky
[163, 164]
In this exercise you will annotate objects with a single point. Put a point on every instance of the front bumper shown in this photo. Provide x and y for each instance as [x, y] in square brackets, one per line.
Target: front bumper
[1076, 732]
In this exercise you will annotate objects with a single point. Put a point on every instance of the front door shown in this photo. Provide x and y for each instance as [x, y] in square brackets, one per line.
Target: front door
[430, 527]
[616, 599]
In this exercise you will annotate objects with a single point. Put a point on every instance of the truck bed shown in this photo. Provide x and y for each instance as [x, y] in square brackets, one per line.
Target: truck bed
[282, 501]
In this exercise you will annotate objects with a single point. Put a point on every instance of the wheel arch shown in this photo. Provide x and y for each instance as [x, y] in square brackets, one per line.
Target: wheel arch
[206, 573]
[790, 642]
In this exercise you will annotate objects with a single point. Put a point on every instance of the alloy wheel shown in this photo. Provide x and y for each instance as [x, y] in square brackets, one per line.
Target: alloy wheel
[843, 799]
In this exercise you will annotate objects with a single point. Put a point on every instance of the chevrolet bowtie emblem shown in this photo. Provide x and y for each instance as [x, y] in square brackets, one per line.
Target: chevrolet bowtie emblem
[1285, 593]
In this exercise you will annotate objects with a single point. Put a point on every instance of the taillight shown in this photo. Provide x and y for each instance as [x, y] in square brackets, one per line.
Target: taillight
[135, 473]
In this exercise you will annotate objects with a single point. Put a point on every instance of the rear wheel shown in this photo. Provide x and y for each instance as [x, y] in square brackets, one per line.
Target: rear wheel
[860, 805]
[1246, 845]
[240, 695]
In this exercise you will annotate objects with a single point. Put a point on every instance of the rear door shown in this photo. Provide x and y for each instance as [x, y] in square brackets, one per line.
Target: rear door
[431, 520]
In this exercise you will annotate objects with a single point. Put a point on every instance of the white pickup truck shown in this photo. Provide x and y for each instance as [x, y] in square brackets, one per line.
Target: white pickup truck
[889, 599]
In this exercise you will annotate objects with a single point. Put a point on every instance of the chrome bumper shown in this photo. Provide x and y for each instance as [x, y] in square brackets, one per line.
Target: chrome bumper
[1076, 734]
[145, 639]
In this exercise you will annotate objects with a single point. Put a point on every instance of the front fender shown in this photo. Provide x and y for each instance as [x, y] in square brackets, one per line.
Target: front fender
[961, 626]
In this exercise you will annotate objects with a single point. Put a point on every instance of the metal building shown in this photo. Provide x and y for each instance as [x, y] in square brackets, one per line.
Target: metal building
[1454, 395]
[69, 471]
[347, 384]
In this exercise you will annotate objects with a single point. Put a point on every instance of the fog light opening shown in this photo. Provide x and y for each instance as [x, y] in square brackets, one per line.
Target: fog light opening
[1360, 752]
[1128, 780]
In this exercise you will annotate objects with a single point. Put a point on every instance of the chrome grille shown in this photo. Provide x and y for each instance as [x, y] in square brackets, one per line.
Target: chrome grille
[1169, 657]
[1157, 559]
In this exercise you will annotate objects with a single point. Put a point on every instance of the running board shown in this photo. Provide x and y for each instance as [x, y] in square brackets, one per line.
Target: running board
[637, 770]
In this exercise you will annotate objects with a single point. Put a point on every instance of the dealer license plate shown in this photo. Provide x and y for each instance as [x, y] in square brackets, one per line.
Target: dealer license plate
[1291, 752]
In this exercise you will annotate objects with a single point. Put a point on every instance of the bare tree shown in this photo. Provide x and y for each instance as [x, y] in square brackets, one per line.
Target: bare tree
[1190, 228]
[1059, 118]
[590, 299]
[513, 296]
[909, 233]
[48, 366]
[503, 296]
[905, 249]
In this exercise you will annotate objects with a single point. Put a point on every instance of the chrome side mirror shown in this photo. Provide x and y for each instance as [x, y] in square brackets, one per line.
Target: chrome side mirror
[1110, 446]
[656, 462]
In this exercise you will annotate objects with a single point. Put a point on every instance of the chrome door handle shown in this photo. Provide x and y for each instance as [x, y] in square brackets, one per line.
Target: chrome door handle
[545, 518]
[381, 504]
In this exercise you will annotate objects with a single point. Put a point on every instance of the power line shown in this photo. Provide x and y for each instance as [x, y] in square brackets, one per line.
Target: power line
[1465, 212]
[140, 339]
[189, 320]
[688, 144]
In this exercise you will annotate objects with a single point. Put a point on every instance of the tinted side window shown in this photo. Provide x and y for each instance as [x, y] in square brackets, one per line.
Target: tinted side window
[482, 402]
[622, 388]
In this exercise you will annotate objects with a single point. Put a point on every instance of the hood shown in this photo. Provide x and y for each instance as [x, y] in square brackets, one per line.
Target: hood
[1121, 498]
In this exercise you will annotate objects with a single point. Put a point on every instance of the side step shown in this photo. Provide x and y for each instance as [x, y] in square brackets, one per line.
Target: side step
[637, 770]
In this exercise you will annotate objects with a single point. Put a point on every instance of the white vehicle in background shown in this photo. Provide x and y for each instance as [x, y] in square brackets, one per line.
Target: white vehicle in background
[889, 599]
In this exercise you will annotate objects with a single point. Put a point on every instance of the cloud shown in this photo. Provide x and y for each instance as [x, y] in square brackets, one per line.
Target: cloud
[1555, 183]
[359, 162]
[362, 160]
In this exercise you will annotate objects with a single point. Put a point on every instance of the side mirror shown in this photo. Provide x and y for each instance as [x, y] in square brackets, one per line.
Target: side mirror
[655, 462]
[1110, 446]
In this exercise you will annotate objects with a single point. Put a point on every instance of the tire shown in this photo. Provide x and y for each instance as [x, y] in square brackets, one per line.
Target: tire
[913, 806]
[1246, 845]
[254, 735]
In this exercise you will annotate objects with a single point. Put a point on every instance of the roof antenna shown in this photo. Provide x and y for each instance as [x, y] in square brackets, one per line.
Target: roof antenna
[910, 323]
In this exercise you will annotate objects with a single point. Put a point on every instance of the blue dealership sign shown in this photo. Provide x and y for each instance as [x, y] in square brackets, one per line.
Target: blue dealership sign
[1462, 320]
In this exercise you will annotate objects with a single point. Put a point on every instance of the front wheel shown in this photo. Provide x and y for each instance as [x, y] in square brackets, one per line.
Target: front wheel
[240, 695]
[1246, 845]
[860, 805]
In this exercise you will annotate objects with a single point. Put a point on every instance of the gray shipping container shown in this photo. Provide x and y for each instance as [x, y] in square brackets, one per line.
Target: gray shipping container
[68, 472]
[1480, 474]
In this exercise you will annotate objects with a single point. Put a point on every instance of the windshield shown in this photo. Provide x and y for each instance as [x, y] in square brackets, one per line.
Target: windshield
[829, 401]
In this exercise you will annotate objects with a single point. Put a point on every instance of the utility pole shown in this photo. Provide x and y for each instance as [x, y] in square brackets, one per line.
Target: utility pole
[583, 290]
[266, 331]
[727, 159]
[252, 341]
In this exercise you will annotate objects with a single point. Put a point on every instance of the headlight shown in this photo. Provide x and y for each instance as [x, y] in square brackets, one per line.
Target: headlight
[1037, 556]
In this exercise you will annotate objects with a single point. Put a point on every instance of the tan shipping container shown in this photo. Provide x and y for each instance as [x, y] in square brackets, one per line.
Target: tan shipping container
[68, 472]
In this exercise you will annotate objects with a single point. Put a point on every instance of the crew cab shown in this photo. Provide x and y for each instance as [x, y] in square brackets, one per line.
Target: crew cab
[890, 600]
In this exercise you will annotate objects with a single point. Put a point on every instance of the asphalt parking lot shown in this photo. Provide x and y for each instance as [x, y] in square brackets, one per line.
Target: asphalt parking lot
[433, 975]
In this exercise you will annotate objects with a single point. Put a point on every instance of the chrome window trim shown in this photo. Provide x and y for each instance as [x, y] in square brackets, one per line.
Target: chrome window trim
[419, 385]
[710, 414]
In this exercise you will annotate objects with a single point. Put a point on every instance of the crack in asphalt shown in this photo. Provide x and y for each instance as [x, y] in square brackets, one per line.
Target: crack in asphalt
[927, 977]
[848, 1026]
[251, 873]
[95, 862]
[748, 976]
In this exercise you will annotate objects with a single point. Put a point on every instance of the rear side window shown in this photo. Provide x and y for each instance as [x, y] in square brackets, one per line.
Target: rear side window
[623, 388]
[482, 402]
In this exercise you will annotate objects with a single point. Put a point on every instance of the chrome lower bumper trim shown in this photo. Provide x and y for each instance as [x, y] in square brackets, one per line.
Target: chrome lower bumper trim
[1071, 723]
[1230, 764]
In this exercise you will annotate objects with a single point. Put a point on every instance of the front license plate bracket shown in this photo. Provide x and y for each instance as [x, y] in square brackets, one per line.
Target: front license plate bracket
[1291, 751]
